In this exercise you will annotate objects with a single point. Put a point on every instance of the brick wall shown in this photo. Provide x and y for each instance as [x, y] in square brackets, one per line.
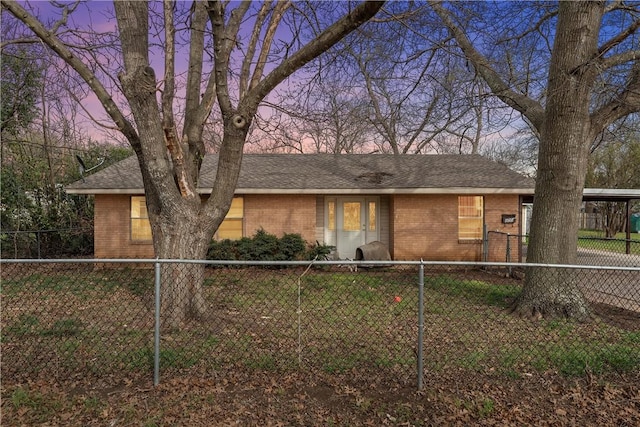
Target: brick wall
[426, 227]
[277, 214]
[281, 213]
[494, 207]
[422, 226]
[112, 223]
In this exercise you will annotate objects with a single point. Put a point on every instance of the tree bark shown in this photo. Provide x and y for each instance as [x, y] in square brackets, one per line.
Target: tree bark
[181, 285]
[565, 138]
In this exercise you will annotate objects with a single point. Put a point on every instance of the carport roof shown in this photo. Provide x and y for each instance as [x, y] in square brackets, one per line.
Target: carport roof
[603, 195]
[334, 174]
[610, 194]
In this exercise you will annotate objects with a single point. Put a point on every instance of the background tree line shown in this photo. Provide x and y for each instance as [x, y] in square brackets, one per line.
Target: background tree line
[41, 138]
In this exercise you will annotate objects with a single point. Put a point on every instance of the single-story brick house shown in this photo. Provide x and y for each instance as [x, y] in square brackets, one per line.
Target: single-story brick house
[430, 207]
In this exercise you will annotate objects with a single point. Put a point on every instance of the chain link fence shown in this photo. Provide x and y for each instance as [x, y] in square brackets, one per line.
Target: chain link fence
[38, 244]
[512, 248]
[99, 319]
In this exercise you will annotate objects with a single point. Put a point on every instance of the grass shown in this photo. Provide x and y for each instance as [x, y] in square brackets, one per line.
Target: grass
[592, 239]
[348, 320]
[40, 406]
[473, 290]
[23, 325]
[169, 358]
[64, 328]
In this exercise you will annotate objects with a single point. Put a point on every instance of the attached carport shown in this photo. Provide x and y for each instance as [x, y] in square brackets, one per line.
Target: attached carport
[626, 196]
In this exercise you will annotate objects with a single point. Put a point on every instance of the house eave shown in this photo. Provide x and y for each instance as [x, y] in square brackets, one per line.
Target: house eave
[90, 191]
[321, 191]
[357, 191]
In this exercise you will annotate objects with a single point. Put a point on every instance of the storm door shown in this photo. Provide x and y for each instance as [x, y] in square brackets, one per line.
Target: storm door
[351, 222]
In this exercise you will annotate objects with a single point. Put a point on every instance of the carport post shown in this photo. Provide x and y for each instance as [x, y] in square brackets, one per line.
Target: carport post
[420, 323]
[628, 227]
[156, 332]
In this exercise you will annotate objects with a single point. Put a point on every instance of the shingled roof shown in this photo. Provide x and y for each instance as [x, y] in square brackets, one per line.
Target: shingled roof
[334, 174]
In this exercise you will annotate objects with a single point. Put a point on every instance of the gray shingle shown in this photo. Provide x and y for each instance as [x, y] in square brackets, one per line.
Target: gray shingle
[333, 172]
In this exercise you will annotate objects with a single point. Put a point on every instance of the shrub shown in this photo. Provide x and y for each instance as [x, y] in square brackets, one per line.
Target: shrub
[261, 247]
[292, 246]
[223, 249]
[320, 250]
[265, 247]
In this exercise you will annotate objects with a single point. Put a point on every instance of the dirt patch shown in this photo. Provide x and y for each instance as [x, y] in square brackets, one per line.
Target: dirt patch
[616, 316]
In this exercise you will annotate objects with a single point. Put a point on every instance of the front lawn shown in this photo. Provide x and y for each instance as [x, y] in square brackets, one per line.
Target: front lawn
[593, 239]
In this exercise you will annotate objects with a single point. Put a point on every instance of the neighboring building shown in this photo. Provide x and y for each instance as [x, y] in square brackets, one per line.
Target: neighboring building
[430, 207]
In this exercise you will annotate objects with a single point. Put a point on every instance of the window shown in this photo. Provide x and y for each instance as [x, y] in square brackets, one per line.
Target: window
[372, 216]
[331, 215]
[470, 217]
[140, 227]
[231, 227]
[351, 216]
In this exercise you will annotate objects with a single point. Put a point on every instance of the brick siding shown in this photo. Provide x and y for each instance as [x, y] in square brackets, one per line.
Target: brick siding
[494, 207]
[112, 229]
[281, 213]
[422, 226]
[426, 227]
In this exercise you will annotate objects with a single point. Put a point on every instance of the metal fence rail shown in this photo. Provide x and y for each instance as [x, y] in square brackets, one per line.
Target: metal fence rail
[101, 318]
[39, 244]
[506, 247]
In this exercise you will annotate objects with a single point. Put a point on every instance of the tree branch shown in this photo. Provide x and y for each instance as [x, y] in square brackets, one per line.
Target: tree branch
[627, 102]
[276, 17]
[197, 106]
[251, 49]
[325, 40]
[532, 109]
[621, 58]
[184, 176]
[614, 41]
[85, 73]
[224, 41]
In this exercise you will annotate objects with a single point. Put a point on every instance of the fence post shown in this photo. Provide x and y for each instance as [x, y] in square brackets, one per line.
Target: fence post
[508, 257]
[485, 243]
[420, 323]
[38, 243]
[156, 332]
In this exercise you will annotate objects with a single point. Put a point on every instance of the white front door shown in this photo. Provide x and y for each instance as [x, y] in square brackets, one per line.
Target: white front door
[350, 222]
[351, 226]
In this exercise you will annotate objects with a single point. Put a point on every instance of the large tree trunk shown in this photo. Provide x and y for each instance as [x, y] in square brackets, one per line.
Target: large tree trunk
[565, 139]
[567, 127]
[181, 284]
[183, 228]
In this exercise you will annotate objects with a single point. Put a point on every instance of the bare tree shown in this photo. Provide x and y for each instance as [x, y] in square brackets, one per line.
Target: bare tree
[615, 163]
[327, 116]
[398, 87]
[569, 111]
[243, 71]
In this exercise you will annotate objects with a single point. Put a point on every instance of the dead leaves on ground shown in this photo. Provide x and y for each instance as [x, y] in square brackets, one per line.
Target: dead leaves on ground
[311, 398]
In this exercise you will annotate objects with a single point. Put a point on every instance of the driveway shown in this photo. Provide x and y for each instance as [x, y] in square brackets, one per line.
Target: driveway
[618, 288]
